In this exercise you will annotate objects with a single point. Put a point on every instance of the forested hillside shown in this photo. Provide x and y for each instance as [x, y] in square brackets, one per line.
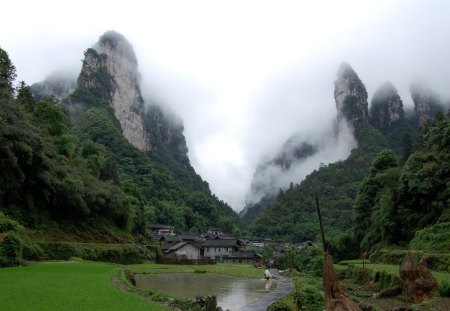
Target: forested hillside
[66, 164]
[377, 196]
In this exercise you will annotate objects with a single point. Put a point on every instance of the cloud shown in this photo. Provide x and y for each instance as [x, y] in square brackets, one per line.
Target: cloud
[243, 75]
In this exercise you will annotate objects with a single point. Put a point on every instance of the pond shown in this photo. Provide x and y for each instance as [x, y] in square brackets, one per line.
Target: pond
[232, 292]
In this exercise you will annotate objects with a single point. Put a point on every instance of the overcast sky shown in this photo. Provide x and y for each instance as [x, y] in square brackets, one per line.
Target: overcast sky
[243, 75]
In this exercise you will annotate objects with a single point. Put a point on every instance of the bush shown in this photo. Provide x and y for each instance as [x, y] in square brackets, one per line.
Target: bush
[308, 293]
[380, 279]
[160, 297]
[435, 237]
[117, 253]
[444, 289]
[32, 252]
[280, 305]
[11, 251]
[185, 304]
[7, 224]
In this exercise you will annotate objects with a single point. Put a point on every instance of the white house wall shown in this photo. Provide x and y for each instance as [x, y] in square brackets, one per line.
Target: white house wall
[190, 251]
[214, 251]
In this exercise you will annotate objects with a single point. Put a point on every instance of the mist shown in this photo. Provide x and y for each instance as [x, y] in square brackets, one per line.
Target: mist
[244, 77]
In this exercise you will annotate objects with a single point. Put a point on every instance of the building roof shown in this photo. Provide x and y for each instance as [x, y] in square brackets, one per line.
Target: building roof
[244, 255]
[188, 236]
[180, 245]
[170, 238]
[214, 229]
[220, 243]
[159, 226]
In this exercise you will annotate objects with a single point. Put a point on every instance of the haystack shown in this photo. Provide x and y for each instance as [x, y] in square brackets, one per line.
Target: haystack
[335, 297]
[418, 282]
[409, 272]
[425, 285]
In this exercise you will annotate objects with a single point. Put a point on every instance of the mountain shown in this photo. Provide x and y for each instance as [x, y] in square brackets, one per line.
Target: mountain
[266, 183]
[103, 159]
[292, 215]
[352, 108]
[159, 165]
[373, 198]
[350, 96]
[387, 115]
[426, 103]
[56, 84]
[110, 70]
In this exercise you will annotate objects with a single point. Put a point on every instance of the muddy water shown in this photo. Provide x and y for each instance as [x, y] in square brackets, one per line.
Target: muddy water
[232, 292]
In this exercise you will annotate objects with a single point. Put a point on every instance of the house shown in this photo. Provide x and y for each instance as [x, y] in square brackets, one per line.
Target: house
[184, 251]
[218, 248]
[158, 229]
[212, 231]
[255, 259]
[166, 241]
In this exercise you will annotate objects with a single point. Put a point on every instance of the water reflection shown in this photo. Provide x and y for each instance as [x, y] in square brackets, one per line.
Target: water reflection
[232, 292]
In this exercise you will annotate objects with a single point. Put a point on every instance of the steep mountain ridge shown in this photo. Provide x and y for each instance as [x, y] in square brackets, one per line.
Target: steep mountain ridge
[292, 215]
[350, 96]
[104, 156]
[114, 57]
[426, 103]
[109, 80]
[351, 104]
[376, 197]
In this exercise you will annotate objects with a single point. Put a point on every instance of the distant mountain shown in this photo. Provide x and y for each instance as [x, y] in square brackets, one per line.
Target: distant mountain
[426, 103]
[56, 84]
[387, 115]
[292, 215]
[350, 96]
[265, 184]
[352, 107]
[372, 197]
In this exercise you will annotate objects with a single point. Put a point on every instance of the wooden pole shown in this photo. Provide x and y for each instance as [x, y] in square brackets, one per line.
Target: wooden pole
[321, 225]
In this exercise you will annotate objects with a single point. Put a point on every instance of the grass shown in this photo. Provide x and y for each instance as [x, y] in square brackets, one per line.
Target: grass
[241, 270]
[66, 286]
[393, 269]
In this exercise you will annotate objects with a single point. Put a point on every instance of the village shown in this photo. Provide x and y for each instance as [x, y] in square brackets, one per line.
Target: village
[210, 247]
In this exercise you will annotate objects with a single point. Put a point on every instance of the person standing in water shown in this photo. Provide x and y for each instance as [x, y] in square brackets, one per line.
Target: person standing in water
[267, 274]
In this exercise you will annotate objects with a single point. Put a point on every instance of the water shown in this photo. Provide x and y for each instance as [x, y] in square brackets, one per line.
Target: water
[231, 292]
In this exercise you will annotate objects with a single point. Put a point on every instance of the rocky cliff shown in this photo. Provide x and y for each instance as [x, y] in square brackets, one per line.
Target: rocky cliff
[350, 95]
[386, 110]
[110, 71]
[426, 103]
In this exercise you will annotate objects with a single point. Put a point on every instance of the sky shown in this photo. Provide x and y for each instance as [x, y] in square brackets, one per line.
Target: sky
[244, 76]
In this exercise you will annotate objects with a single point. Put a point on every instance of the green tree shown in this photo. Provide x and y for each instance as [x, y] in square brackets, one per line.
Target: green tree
[25, 97]
[50, 115]
[7, 74]
[373, 209]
